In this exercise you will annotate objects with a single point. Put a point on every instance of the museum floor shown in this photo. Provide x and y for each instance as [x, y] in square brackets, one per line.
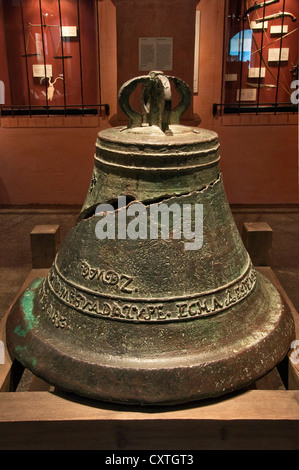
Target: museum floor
[16, 223]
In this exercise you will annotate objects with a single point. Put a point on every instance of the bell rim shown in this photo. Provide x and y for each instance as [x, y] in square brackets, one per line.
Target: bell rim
[158, 384]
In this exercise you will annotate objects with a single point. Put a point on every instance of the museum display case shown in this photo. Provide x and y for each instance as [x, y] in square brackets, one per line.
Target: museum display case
[260, 59]
[52, 54]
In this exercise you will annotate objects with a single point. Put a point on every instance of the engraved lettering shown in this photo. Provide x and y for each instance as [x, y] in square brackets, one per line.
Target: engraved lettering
[56, 284]
[95, 273]
[161, 314]
[203, 306]
[151, 311]
[127, 308]
[137, 310]
[56, 318]
[109, 277]
[216, 304]
[144, 314]
[238, 292]
[95, 307]
[182, 312]
[190, 309]
[134, 311]
[44, 296]
[65, 294]
[86, 304]
[124, 286]
[72, 295]
[117, 311]
[229, 299]
[244, 288]
[79, 297]
[85, 269]
[107, 309]
[62, 322]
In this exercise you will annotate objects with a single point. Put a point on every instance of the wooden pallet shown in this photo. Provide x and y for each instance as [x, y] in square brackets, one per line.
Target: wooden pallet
[266, 416]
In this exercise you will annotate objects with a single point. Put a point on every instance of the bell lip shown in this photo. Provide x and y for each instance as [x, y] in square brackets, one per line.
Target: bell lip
[160, 385]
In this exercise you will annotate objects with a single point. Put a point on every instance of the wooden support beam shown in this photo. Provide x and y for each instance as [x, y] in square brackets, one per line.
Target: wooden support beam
[258, 419]
[45, 241]
[257, 238]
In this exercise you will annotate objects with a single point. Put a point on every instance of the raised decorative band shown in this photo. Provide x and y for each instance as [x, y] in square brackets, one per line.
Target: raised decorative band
[104, 305]
[159, 168]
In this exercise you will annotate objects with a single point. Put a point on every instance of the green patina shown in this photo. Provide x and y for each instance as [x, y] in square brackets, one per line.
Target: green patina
[20, 348]
[27, 305]
[20, 331]
[36, 283]
[31, 359]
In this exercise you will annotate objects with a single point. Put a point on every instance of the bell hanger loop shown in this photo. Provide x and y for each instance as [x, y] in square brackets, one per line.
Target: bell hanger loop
[156, 100]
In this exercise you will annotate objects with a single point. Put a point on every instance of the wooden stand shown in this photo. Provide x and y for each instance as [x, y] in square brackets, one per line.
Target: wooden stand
[45, 241]
[266, 416]
[257, 238]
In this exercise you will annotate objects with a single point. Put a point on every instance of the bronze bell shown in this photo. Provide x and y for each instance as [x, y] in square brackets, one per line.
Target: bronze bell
[133, 313]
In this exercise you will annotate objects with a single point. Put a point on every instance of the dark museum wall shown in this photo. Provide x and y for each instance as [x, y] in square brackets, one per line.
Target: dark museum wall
[49, 160]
